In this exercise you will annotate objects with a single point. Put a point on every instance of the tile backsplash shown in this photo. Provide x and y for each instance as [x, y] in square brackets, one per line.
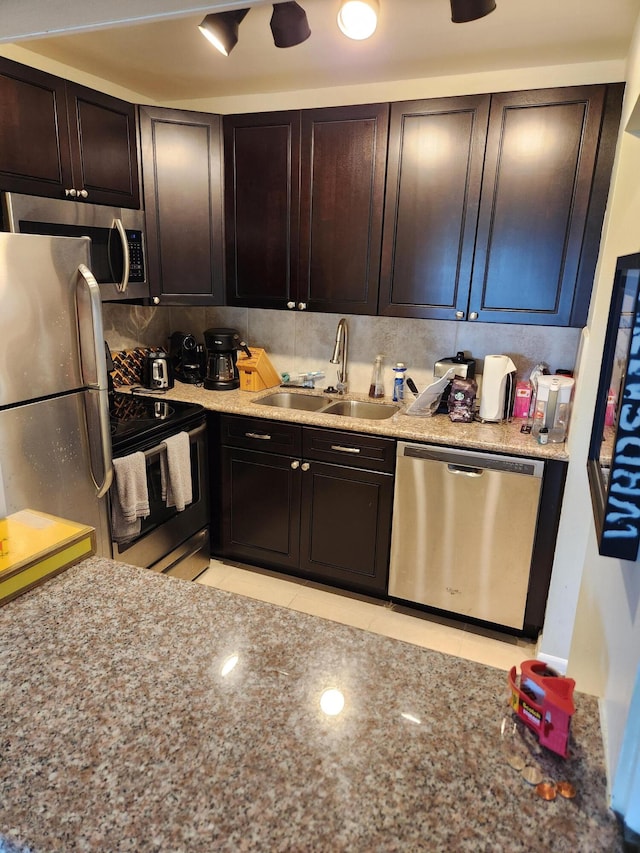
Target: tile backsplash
[297, 342]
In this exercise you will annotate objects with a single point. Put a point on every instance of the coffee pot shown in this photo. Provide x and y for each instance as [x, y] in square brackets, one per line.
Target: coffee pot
[186, 358]
[221, 347]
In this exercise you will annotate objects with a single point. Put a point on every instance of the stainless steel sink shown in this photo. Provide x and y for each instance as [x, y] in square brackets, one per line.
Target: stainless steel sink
[301, 402]
[361, 409]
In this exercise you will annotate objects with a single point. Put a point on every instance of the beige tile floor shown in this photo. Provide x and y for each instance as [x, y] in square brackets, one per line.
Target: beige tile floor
[391, 620]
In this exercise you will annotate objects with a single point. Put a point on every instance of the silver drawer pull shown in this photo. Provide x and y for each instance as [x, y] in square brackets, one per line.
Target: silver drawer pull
[345, 449]
[262, 436]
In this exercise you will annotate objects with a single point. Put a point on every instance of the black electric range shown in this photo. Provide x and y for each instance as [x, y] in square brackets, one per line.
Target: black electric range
[138, 423]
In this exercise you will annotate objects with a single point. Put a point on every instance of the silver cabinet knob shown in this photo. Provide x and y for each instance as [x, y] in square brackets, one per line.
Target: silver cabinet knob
[305, 466]
[71, 193]
[295, 464]
[291, 304]
[84, 193]
[459, 315]
[473, 315]
[302, 306]
[156, 300]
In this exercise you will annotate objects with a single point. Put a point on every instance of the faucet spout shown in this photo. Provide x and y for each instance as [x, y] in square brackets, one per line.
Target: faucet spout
[340, 354]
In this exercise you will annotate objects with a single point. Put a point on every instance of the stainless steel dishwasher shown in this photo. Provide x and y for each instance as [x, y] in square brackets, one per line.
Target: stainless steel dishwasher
[464, 526]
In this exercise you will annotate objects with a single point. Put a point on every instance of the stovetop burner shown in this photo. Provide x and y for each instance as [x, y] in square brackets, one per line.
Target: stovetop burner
[142, 421]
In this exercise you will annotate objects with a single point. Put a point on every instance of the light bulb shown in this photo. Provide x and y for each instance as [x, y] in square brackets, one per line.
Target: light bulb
[358, 19]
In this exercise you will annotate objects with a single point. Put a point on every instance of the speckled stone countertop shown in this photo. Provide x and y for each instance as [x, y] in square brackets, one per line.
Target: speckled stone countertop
[121, 732]
[500, 438]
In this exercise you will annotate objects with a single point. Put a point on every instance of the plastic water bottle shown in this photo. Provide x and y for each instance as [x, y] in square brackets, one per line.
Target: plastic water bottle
[399, 371]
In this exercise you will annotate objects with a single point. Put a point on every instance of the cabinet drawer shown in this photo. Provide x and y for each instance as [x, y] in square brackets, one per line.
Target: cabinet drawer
[258, 434]
[349, 448]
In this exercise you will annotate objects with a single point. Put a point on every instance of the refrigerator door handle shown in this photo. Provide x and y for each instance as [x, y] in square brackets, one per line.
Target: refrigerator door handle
[100, 383]
[124, 284]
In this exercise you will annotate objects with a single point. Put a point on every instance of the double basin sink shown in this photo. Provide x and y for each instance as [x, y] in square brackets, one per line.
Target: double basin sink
[327, 406]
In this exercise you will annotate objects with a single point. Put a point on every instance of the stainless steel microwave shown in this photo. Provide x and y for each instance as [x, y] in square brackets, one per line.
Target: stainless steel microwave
[117, 235]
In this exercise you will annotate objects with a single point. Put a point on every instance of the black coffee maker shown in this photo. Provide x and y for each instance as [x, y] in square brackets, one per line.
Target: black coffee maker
[221, 347]
[186, 357]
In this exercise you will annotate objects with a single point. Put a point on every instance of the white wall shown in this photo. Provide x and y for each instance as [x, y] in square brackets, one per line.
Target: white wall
[605, 646]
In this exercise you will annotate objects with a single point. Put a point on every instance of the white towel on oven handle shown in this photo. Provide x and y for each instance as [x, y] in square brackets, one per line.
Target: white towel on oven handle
[175, 471]
[129, 496]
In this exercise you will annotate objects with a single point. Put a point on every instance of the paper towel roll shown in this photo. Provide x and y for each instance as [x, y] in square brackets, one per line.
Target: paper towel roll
[494, 384]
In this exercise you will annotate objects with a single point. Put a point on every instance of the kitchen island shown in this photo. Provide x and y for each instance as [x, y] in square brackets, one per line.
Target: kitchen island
[144, 713]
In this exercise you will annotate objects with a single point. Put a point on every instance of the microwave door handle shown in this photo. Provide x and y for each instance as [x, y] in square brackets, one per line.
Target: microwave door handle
[124, 284]
[99, 386]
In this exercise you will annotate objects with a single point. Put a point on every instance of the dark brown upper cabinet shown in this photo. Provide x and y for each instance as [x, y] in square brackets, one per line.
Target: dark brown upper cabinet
[63, 140]
[304, 200]
[182, 180]
[262, 190]
[436, 155]
[545, 177]
[538, 196]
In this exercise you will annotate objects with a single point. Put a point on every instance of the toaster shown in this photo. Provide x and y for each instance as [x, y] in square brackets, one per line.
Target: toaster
[157, 372]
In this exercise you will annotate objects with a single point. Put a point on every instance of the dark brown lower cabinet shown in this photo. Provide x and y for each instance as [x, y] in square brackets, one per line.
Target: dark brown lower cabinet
[316, 503]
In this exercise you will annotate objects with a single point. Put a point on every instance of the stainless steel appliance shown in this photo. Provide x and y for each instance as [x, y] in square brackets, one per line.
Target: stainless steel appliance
[464, 525]
[117, 250]
[157, 372]
[172, 542]
[222, 346]
[55, 445]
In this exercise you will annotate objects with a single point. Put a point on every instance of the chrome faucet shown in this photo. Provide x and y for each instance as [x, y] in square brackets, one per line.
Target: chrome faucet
[340, 355]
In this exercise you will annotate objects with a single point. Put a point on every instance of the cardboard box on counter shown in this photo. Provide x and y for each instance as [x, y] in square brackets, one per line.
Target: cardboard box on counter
[34, 546]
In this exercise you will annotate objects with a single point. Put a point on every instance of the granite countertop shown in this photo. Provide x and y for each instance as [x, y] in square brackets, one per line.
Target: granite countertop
[122, 732]
[500, 438]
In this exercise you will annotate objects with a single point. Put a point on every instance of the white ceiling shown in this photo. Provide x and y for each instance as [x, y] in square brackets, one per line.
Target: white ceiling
[169, 60]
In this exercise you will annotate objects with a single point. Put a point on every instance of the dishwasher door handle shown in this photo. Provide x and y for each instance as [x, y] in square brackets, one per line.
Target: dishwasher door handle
[465, 471]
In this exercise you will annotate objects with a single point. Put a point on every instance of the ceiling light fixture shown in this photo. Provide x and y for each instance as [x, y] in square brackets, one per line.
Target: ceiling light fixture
[222, 29]
[470, 10]
[289, 25]
[358, 18]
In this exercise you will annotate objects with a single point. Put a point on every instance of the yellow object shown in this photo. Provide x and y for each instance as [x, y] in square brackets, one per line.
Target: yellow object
[257, 372]
[35, 546]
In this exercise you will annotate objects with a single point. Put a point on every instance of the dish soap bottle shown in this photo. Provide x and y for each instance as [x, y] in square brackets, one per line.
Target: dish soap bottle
[376, 389]
[398, 382]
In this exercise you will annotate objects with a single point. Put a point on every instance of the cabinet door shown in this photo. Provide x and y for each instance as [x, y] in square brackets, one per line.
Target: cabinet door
[102, 134]
[262, 155]
[34, 139]
[346, 526]
[181, 159]
[260, 507]
[436, 153]
[343, 159]
[539, 167]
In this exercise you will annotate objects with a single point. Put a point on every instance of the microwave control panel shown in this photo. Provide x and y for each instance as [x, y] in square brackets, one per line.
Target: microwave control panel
[136, 255]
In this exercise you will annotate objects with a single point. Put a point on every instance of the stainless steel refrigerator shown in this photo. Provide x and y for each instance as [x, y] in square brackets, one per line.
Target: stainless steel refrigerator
[55, 439]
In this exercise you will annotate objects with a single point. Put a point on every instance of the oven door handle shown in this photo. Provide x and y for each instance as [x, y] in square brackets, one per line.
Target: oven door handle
[193, 434]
